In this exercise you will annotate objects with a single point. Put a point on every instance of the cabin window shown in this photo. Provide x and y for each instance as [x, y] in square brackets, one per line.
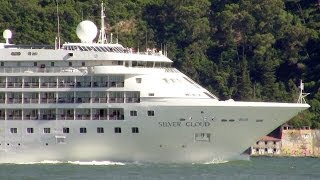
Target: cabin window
[70, 63]
[117, 130]
[83, 64]
[100, 130]
[243, 119]
[14, 130]
[151, 94]
[2, 63]
[83, 130]
[204, 137]
[35, 64]
[135, 130]
[149, 64]
[134, 63]
[66, 130]
[133, 113]
[138, 80]
[30, 130]
[46, 130]
[15, 53]
[60, 139]
[52, 64]
[150, 113]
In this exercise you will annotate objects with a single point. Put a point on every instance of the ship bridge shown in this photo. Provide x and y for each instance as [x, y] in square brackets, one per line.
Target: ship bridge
[118, 48]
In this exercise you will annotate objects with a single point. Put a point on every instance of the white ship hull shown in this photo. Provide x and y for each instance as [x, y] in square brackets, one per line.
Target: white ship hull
[167, 137]
[104, 102]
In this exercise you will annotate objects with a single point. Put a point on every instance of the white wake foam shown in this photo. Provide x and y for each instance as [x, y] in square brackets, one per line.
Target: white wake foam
[98, 163]
[216, 161]
[41, 162]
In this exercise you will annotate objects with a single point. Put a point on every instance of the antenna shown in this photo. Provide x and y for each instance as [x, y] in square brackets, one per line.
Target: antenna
[117, 35]
[147, 40]
[302, 95]
[58, 19]
[102, 36]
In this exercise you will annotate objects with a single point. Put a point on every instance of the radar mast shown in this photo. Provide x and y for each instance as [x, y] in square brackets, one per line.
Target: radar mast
[302, 95]
[102, 36]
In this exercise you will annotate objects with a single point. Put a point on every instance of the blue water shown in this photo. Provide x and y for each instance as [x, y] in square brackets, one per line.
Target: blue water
[261, 168]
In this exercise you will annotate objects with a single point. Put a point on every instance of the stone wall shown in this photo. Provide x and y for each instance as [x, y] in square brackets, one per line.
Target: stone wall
[302, 142]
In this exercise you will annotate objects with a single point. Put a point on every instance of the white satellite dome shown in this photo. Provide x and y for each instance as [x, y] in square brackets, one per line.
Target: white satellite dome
[87, 31]
[7, 34]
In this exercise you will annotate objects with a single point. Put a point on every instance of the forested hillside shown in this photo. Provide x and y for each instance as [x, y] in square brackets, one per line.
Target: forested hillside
[256, 50]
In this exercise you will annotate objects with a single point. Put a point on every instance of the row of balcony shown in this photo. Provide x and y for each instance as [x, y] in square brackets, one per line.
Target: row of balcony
[63, 117]
[60, 84]
[68, 100]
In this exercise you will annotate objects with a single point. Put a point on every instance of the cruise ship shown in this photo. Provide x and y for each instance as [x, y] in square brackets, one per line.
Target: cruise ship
[100, 101]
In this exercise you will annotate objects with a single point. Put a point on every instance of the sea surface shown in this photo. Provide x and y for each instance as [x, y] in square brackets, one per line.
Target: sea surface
[260, 168]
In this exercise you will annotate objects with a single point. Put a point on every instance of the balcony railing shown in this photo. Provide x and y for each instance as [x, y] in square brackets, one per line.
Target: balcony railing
[14, 101]
[14, 117]
[83, 117]
[30, 117]
[98, 117]
[48, 101]
[30, 101]
[47, 117]
[49, 85]
[65, 116]
[14, 85]
[31, 85]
